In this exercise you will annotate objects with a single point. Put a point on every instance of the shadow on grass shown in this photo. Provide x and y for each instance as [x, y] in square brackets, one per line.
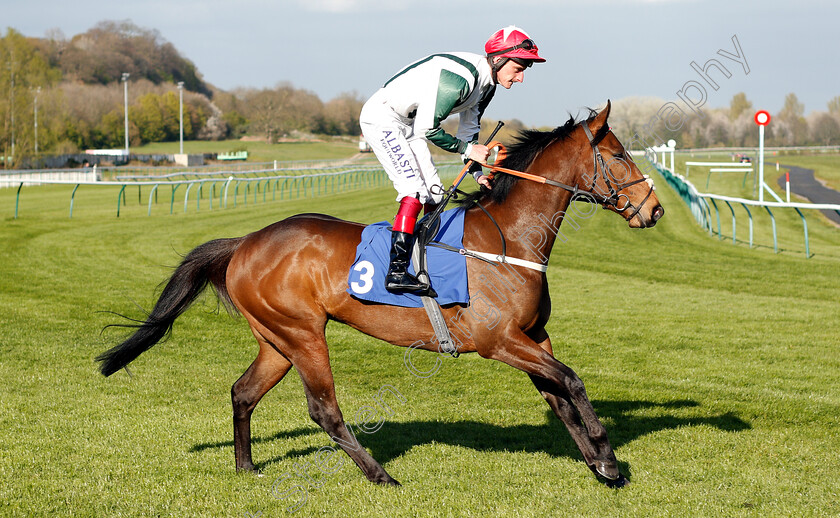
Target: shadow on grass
[757, 246]
[394, 439]
[256, 440]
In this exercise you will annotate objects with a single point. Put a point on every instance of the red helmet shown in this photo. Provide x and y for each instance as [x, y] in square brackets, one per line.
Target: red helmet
[512, 42]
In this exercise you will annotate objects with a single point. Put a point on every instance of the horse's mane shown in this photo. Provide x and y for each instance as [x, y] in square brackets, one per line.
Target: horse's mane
[522, 152]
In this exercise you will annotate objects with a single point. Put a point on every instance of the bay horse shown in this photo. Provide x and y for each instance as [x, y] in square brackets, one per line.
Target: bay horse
[290, 278]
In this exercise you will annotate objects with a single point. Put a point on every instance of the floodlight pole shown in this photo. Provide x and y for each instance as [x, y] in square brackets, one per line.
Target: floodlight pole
[11, 66]
[37, 91]
[181, 108]
[125, 85]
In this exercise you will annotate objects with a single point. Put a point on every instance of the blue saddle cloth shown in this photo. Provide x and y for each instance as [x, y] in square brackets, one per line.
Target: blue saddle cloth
[447, 270]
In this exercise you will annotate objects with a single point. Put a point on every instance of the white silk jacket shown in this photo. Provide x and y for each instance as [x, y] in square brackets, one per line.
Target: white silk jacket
[429, 90]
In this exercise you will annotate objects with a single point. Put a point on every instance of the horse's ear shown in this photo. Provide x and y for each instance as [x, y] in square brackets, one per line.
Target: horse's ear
[601, 119]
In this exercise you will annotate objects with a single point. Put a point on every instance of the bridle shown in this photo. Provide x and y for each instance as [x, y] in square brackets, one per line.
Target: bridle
[607, 173]
[594, 194]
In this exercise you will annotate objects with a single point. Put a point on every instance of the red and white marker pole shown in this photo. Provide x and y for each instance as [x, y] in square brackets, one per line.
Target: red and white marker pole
[762, 118]
[787, 186]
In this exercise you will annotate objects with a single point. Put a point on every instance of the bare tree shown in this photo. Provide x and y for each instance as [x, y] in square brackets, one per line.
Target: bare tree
[341, 115]
[825, 129]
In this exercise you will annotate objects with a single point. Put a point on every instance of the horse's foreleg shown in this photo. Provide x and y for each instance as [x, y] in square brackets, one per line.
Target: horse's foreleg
[263, 374]
[565, 393]
[315, 372]
[589, 434]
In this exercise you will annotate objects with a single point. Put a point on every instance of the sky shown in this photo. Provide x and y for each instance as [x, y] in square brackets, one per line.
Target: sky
[595, 50]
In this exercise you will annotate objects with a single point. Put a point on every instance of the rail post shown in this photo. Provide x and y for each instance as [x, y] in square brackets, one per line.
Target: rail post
[119, 199]
[733, 220]
[172, 201]
[717, 213]
[749, 214]
[152, 194]
[17, 199]
[805, 226]
[227, 184]
[773, 220]
[73, 199]
[187, 196]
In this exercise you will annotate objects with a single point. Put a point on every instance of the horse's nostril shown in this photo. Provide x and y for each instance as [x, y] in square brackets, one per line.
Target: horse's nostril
[658, 212]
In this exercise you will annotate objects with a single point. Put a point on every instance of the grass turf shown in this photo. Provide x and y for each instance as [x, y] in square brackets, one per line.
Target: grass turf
[259, 151]
[822, 233]
[714, 368]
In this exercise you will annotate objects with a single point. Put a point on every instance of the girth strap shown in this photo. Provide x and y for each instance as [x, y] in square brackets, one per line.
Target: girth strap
[446, 342]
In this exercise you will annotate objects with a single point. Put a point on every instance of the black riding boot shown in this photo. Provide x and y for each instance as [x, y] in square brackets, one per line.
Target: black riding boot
[398, 279]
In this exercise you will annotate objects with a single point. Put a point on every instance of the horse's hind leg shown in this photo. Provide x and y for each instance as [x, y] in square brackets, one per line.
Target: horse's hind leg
[263, 374]
[313, 364]
[572, 406]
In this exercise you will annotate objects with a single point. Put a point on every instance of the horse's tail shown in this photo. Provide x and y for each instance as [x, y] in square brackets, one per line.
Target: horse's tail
[207, 263]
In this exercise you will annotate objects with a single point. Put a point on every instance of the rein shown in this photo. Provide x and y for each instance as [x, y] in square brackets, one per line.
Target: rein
[592, 196]
[600, 168]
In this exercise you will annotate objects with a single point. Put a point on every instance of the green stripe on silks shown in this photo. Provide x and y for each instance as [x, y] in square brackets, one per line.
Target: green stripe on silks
[452, 90]
[464, 63]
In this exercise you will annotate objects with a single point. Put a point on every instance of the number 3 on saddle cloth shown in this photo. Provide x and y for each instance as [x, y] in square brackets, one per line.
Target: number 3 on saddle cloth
[447, 270]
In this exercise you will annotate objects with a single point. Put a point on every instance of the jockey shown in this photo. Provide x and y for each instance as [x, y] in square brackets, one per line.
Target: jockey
[403, 116]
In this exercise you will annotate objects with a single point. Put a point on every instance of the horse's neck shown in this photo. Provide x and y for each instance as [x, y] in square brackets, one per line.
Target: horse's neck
[531, 215]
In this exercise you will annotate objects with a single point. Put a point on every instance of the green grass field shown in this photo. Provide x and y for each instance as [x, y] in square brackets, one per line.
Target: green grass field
[826, 168]
[822, 233]
[335, 148]
[715, 369]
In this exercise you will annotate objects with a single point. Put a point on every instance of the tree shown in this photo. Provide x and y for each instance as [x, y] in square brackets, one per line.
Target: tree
[265, 110]
[197, 118]
[149, 119]
[341, 115]
[739, 105]
[834, 105]
[279, 111]
[22, 71]
[717, 128]
[792, 108]
[792, 122]
[110, 48]
[158, 117]
[743, 131]
[237, 124]
[825, 130]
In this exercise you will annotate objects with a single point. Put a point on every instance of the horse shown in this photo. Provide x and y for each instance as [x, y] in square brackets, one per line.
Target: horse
[290, 278]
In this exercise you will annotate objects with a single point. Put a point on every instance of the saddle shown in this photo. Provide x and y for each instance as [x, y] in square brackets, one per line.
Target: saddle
[444, 269]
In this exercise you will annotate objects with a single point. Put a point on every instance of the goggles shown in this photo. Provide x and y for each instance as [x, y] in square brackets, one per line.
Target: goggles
[526, 44]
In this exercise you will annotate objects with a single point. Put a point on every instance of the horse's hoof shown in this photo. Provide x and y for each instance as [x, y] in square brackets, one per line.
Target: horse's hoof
[387, 480]
[249, 468]
[617, 483]
[607, 473]
[606, 470]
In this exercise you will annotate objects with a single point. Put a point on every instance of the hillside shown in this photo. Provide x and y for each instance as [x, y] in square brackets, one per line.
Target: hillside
[76, 87]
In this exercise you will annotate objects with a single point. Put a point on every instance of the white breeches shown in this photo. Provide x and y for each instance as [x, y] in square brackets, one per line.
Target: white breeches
[405, 157]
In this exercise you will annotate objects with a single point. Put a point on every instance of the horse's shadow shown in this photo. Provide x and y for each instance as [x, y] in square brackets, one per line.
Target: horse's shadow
[394, 439]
